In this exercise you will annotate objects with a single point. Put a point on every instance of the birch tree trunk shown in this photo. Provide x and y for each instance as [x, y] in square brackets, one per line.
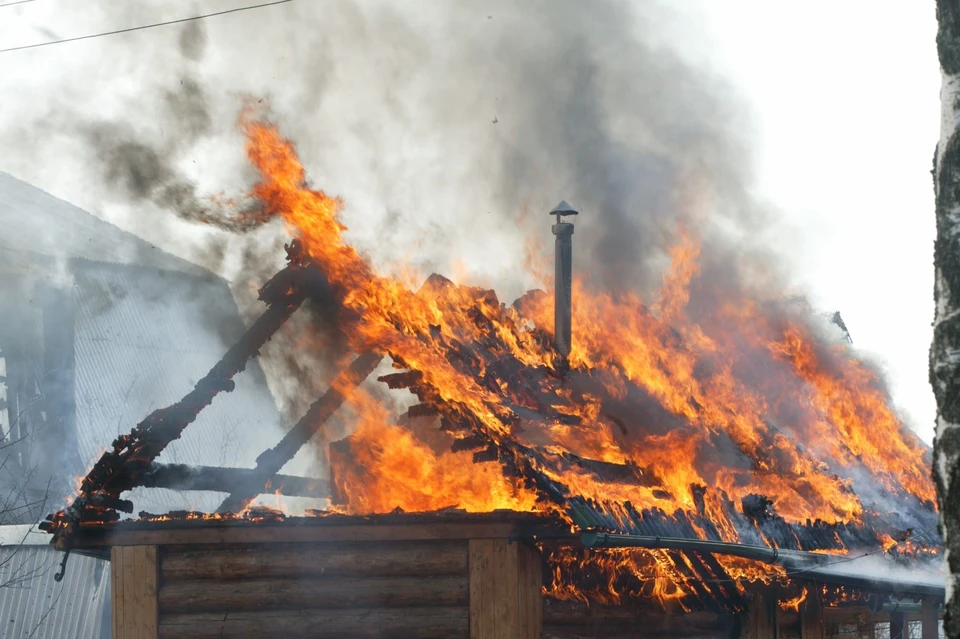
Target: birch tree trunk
[945, 351]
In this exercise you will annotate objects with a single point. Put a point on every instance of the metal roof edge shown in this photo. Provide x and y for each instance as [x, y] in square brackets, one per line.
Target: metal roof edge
[23, 535]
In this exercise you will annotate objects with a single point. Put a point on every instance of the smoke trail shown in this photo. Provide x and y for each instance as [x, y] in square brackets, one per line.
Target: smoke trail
[437, 126]
[395, 110]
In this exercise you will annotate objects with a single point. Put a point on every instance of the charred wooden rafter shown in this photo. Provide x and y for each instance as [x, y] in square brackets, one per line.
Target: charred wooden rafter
[119, 469]
[271, 461]
[224, 480]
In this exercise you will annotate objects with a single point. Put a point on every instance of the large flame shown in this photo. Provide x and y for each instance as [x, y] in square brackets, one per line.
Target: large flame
[705, 408]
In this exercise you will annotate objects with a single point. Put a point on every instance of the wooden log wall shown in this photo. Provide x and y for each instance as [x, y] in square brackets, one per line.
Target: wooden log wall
[573, 620]
[360, 582]
[416, 590]
[761, 618]
[430, 589]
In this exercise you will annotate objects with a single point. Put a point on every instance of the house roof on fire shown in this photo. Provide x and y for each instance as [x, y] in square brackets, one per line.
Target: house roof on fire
[763, 534]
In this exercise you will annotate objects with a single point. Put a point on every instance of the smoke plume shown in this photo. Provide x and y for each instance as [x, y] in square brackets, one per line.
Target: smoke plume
[438, 126]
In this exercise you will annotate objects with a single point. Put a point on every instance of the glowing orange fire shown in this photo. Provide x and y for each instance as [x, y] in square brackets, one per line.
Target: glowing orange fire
[847, 418]
[754, 401]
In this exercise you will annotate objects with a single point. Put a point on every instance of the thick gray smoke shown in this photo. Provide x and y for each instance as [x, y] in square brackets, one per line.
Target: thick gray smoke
[438, 125]
[438, 120]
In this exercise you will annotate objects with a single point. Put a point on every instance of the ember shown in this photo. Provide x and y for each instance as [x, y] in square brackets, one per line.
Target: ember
[658, 427]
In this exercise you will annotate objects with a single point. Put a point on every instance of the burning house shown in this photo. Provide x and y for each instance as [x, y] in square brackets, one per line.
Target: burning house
[631, 473]
[96, 326]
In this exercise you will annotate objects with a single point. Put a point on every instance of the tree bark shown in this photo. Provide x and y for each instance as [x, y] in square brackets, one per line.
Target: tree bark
[945, 350]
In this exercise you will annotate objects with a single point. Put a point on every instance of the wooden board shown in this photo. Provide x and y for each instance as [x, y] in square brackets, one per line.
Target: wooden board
[323, 594]
[398, 623]
[811, 618]
[365, 559]
[577, 620]
[930, 619]
[761, 618]
[134, 582]
[505, 585]
[267, 534]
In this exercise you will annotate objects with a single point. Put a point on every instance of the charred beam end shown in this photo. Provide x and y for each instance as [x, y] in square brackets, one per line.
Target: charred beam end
[111, 475]
[224, 480]
[271, 461]
[401, 380]
[99, 500]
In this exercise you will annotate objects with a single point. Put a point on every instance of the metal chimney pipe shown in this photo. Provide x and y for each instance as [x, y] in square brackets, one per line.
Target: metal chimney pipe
[563, 282]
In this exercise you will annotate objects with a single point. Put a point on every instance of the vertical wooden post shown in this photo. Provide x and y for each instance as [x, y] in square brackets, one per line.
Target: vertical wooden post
[930, 619]
[898, 625]
[505, 584]
[133, 573]
[811, 618]
[761, 621]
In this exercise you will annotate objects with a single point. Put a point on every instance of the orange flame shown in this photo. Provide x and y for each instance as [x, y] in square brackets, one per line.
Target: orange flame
[793, 604]
[744, 399]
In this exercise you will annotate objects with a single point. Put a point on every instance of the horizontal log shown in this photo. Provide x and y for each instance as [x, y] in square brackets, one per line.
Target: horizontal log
[213, 532]
[407, 623]
[568, 614]
[278, 594]
[224, 480]
[402, 559]
[578, 632]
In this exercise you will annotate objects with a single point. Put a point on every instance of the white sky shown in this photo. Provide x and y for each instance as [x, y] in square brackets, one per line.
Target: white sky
[844, 99]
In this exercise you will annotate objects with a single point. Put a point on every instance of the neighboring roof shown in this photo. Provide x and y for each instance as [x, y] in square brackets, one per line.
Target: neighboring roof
[147, 326]
[35, 224]
[33, 605]
[143, 337]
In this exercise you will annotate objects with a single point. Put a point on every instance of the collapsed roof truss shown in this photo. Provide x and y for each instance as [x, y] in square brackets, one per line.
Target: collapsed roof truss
[132, 461]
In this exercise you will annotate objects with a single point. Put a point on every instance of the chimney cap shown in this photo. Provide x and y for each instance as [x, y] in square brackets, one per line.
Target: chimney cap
[563, 209]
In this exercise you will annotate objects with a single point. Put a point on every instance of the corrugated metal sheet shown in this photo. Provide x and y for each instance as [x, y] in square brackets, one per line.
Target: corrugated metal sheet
[34, 606]
[38, 226]
[143, 339]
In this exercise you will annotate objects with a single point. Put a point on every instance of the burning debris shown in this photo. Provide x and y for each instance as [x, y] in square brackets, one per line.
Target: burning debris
[697, 453]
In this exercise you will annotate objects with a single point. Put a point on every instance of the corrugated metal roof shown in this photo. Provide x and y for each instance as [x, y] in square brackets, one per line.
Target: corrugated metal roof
[34, 606]
[143, 338]
[37, 224]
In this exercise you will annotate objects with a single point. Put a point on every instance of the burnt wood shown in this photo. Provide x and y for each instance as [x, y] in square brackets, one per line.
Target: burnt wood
[118, 470]
[271, 461]
[185, 477]
[568, 619]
